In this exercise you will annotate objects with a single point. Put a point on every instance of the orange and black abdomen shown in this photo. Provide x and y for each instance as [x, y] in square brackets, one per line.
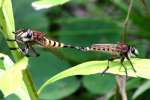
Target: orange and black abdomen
[52, 44]
[39, 38]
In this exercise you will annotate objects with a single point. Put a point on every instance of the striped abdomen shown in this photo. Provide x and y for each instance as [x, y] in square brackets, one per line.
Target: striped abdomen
[108, 48]
[54, 44]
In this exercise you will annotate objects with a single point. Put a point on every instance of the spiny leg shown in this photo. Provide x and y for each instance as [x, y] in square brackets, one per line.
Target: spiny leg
[122, 59]
[29, 45]
[110, 59]
[131, 63]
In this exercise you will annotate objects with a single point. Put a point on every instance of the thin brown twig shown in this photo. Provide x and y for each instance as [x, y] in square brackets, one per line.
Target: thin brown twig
[125, 24]
[121, 80]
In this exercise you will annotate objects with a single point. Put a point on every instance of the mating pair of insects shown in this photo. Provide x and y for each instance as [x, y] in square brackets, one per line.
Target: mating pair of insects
[29, 37]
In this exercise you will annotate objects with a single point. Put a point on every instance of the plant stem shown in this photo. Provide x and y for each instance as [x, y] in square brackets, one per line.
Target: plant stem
[7, 27]
[125, 24]
[29, 85]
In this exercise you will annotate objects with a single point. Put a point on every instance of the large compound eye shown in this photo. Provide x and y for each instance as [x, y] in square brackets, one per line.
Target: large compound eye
[29, 34]
[134, 51]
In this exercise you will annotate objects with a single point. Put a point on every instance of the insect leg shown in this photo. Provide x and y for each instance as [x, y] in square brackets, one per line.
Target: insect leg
[25, 51]
[33, 50]
[131, 63]
[110, 59]
[122, 59]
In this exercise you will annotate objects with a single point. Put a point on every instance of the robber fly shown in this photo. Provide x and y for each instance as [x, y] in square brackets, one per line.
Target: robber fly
[29, 38]
[120, 50]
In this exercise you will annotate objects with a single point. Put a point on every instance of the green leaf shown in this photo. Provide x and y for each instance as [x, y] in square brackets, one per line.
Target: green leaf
[5, 11]
[43, 4]
[5, 62]
[96, 83]
[48, 65]
[88, 26]
[35, 20]
[133, 83]
[142, 88]
[93, 67]
[12, 97]
[84, 32]
[7, 25]
[137, 17]
[11, 80]
[1, 63]
[60, 89]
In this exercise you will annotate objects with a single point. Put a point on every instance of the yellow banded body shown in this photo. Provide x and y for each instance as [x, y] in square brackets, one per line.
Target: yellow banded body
[52, 44]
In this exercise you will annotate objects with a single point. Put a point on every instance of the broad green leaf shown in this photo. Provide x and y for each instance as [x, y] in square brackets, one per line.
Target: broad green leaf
[96, 83]
[48, 65]
[6, 16]
[29, 18]
[60, 89]
[11, 81]
[133, 83]
[93, 67]
[44, 4]
[142, 88]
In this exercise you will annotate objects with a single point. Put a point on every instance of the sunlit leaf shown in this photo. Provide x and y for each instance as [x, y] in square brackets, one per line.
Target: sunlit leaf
[11, 81]
[44, 4]
[48, 65]
[5, 61]
[7, 25]
[93, 67]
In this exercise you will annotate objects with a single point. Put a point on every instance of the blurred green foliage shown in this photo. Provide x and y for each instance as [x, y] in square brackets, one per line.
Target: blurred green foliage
[83, 22]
